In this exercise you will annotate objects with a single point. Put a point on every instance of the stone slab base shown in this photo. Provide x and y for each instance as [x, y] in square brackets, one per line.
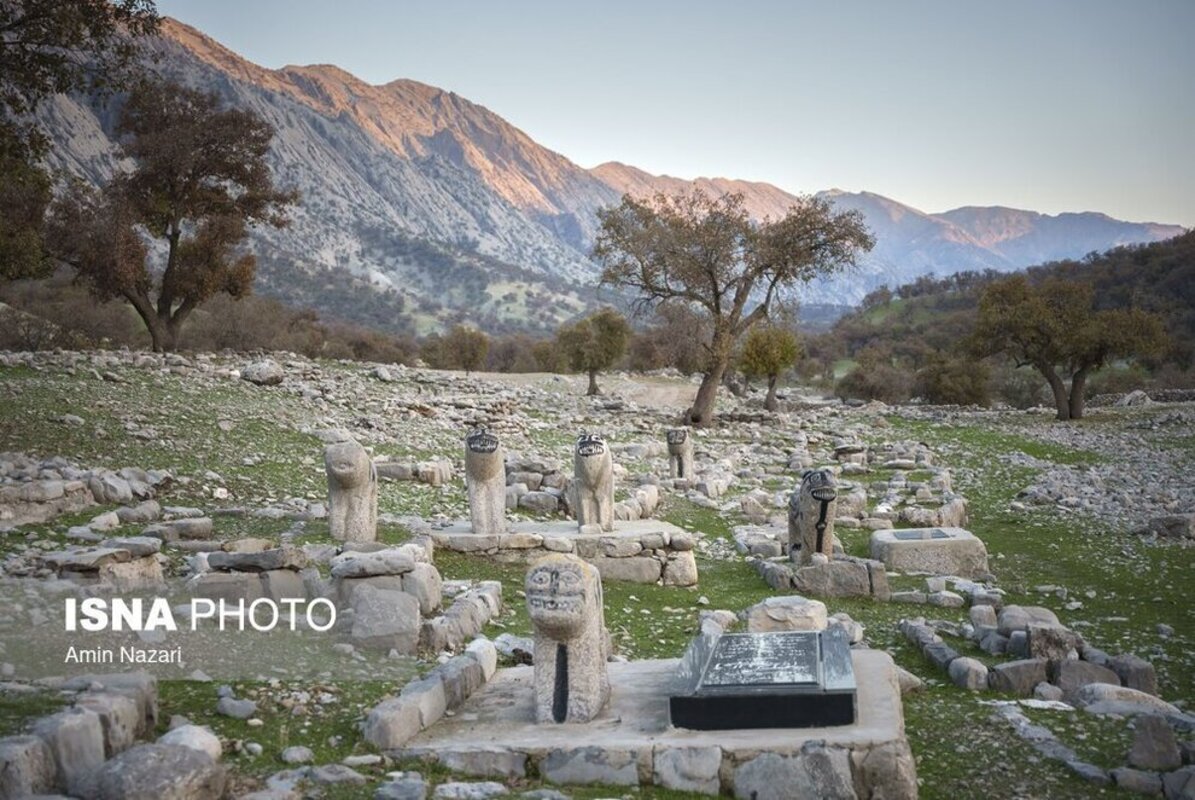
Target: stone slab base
[939, 551]
[494, 734]
[641, 551]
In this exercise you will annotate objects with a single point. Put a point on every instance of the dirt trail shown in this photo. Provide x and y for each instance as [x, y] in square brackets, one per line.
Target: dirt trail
[661, 394]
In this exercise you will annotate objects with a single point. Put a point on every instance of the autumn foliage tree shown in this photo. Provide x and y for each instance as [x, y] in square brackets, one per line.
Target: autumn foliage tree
[1053, 328]
[464, 348]
[595, 343]
[200, 181]
[705, 252]
[768, 351]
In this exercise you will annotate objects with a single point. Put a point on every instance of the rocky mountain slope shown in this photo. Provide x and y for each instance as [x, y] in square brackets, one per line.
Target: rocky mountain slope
[450, 212]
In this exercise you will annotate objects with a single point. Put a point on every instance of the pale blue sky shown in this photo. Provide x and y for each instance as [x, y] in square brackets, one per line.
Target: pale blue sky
[1051, 105]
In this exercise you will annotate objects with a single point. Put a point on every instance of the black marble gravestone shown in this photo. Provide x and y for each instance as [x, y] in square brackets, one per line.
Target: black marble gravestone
[789, 679]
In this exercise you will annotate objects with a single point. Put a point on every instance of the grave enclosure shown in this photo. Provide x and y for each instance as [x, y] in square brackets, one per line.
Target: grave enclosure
[640, 550]
[832, 716]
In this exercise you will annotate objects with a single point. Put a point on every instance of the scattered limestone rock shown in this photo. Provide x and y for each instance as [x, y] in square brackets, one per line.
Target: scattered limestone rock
[266, 372]
[786, 613]
[196, 737]
[157, 771]
[1154, 745]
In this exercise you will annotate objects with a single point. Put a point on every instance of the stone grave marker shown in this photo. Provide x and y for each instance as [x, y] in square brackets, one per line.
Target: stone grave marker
[485, 478]
[593, 484]
[811, 512]
[352, 492]
[680, 453]
[564, 600]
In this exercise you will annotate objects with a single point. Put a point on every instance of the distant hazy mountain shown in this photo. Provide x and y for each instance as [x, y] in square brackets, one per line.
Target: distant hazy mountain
[441, 209]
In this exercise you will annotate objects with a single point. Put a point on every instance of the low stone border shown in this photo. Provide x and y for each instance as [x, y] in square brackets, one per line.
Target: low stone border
[1154, 760]
[90, 749]
[421, 703]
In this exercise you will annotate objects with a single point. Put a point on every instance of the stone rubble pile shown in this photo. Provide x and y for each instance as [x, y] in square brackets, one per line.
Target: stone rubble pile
[34, 490]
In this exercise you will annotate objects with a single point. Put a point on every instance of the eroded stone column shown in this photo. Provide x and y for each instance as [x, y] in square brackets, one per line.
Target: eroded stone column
[811, 511]
[352, 492]
[485, 478]
[564, 600]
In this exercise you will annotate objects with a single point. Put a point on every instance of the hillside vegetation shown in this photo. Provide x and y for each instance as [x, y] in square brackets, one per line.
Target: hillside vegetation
[927, 321]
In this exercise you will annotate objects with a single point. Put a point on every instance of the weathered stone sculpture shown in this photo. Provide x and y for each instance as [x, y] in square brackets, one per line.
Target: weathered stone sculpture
[564, 600]
[680, 453]
[593, 482]
[811, 512]
[485, 477]
[352, 492]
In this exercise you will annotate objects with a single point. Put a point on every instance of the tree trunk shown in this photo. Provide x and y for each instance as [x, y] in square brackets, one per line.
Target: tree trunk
[770, 402]
[702, 411]
[1061, 401]
[593, 387]
[1078, 390]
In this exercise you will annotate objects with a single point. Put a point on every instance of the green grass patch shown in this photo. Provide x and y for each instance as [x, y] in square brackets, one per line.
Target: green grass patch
[19, 709]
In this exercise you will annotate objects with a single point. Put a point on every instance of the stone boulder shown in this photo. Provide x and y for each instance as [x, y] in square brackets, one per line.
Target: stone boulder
[1018, 677]
[158, 772]
[1154, 745]
[385, 620]
[1103, 698]
[196, 737]
[837, 578]
[1072, 675]
[1019, 618]
[266, 372]
[786, 613]
[76, 740]
[392, 561]
[26, 766]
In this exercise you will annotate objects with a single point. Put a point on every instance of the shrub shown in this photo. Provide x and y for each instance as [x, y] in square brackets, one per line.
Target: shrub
[953, 381]
[875, 381]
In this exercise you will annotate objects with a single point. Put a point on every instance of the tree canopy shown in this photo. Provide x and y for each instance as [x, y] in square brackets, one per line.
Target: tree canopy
[595, 343]
[464, 347]
[767, 352]
[1053, 328]
[48, 47]
[200, 180]
[706, 252]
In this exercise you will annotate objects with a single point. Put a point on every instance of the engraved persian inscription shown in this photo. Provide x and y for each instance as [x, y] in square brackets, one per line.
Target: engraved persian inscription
[765, 660]
[481, 441]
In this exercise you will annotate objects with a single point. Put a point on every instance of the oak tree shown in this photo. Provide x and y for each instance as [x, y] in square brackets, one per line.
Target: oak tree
[201, 180]
[465, 348]
[1053, 328]
[707, 253]
[595, 343]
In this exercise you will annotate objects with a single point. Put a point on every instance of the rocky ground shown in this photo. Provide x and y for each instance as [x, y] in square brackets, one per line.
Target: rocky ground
[1083, 518]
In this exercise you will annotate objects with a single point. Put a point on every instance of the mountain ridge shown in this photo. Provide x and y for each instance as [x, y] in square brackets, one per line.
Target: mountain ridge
[443, 203]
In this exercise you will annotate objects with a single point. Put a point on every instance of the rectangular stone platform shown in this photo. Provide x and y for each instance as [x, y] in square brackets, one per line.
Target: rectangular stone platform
[641, 551]
[939, 551]
[631, 742]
